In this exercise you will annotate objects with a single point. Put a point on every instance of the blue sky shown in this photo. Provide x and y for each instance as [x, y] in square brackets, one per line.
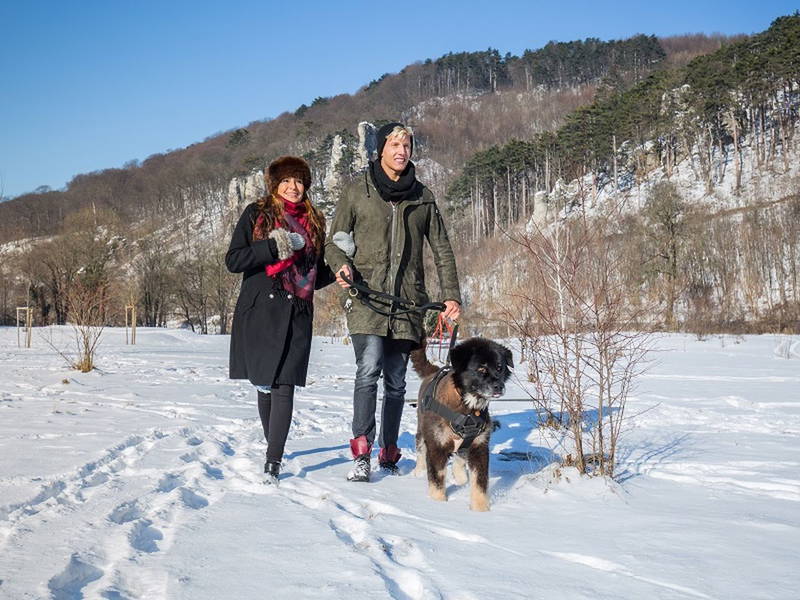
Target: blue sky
[92, 84]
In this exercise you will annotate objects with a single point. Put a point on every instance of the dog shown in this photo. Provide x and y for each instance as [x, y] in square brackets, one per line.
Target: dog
[480, 369]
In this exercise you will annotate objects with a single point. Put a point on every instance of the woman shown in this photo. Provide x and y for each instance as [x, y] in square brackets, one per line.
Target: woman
[278, 247]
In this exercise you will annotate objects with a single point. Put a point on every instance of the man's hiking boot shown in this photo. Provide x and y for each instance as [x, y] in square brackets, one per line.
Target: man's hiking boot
[361, 449]
[360, 470]
[272, 469]
[388, 459]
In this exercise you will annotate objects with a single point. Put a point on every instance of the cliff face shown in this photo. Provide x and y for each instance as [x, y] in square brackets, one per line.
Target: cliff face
[754, 185]
[502, 157]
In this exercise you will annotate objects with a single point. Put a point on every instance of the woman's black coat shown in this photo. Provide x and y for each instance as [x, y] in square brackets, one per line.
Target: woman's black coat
[267, 326]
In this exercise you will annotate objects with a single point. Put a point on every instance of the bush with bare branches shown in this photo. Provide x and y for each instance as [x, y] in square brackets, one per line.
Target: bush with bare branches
[88, 305]
[584, 351]
[87, 308]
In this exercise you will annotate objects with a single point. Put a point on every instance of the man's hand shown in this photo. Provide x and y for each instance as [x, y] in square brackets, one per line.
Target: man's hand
[452, 310]
[347, 273]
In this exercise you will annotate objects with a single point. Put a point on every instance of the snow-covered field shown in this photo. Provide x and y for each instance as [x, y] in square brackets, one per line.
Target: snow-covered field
[143, 479]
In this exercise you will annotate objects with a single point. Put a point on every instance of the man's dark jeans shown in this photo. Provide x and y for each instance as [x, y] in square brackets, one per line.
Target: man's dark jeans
[375, 353]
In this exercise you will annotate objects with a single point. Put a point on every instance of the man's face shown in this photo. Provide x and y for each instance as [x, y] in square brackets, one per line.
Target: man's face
[396, 154]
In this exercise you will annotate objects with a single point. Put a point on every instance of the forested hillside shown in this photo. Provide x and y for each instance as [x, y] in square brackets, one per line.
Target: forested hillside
[700, 164]
[743, 96]
[457, 104]
[498, 138]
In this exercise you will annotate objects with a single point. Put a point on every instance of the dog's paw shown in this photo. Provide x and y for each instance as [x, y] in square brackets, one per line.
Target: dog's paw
[479, 506]
[478, 500]
[437, 493]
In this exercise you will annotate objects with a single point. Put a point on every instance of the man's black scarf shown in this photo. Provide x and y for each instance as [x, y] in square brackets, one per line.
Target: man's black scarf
[405, 188]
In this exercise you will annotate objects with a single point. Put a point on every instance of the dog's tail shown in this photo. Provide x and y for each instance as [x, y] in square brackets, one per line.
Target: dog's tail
[420, 362]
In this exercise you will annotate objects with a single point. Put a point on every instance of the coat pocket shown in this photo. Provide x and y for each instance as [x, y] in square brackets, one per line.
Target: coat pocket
[247, 300]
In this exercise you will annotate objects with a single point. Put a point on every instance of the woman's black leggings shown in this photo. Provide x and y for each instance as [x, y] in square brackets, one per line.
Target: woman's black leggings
[275, 410]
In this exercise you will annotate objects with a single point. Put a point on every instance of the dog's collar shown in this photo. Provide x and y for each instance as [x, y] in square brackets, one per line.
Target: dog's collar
[466, 426]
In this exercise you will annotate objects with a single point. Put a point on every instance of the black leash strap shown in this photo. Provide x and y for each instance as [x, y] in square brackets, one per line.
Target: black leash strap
[370, 297]
[453, 336]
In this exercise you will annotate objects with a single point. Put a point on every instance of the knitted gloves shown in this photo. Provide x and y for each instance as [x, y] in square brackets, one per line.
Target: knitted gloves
[345, 243]
[287, 242]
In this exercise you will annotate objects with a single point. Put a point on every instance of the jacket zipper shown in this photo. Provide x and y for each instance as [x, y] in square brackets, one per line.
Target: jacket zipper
[392, 250]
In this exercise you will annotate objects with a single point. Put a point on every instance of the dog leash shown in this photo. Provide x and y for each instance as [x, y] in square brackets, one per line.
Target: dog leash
[369, 297]
[452, 330]
[466, 426]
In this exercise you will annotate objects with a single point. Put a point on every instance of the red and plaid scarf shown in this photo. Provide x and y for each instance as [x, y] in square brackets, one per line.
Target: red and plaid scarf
[298, 272]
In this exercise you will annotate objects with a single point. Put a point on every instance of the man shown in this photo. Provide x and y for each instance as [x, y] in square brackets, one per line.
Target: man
[377, 236]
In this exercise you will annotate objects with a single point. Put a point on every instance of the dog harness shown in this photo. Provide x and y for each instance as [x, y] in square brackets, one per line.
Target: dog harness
[466, 426]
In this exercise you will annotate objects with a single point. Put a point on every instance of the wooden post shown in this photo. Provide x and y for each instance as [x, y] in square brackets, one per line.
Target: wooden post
[130, 309]
[27, 319]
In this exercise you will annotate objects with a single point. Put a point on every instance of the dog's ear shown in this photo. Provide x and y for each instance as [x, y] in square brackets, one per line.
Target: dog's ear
[459, 357]
[509, 357]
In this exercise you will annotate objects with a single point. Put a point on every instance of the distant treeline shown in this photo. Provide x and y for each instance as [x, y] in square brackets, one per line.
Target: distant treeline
[557, 65]
[749, 90]
[154, 232]
[163, 184]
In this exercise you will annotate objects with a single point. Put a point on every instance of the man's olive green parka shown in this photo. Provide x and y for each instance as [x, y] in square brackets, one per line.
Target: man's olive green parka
[389, 255]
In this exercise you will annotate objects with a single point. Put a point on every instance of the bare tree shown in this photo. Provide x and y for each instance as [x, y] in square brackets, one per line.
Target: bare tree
[154, 273]
[224, 286]
[584, 351]
[88, 312]
[665, 212]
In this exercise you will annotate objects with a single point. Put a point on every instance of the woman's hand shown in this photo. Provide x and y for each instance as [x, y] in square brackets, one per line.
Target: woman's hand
[296, 241]
[286, 242]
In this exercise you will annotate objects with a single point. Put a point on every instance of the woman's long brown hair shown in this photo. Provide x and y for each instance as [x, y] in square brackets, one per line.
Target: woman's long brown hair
[271, 206]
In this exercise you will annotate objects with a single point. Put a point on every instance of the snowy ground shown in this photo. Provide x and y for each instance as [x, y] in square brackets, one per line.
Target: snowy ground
[143, 480]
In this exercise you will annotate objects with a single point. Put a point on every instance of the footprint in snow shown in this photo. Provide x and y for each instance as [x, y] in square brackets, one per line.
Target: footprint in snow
[387, 555]
[68, 584]
[192, 499]
[169, 482]
[213, 472]
[144, 536]
[125, 512]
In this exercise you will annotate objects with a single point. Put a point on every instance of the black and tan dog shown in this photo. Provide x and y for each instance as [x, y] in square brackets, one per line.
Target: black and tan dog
[455, 419]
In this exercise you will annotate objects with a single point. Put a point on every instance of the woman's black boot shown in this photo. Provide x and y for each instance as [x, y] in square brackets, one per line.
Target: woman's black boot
[272, 469]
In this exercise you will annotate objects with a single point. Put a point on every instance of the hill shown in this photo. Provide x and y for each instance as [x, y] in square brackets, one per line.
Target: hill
[500, 139]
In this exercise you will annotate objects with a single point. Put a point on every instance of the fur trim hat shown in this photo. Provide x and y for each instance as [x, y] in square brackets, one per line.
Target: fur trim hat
[384, 131]
[287, 166]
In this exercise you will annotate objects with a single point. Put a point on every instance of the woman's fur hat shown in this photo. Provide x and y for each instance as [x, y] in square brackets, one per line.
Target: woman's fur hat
[287, 166]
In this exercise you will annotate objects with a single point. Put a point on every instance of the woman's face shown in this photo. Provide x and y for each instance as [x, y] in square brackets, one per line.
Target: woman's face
[291, 188]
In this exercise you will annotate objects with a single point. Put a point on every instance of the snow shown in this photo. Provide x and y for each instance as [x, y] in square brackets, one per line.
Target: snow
[143, 479]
